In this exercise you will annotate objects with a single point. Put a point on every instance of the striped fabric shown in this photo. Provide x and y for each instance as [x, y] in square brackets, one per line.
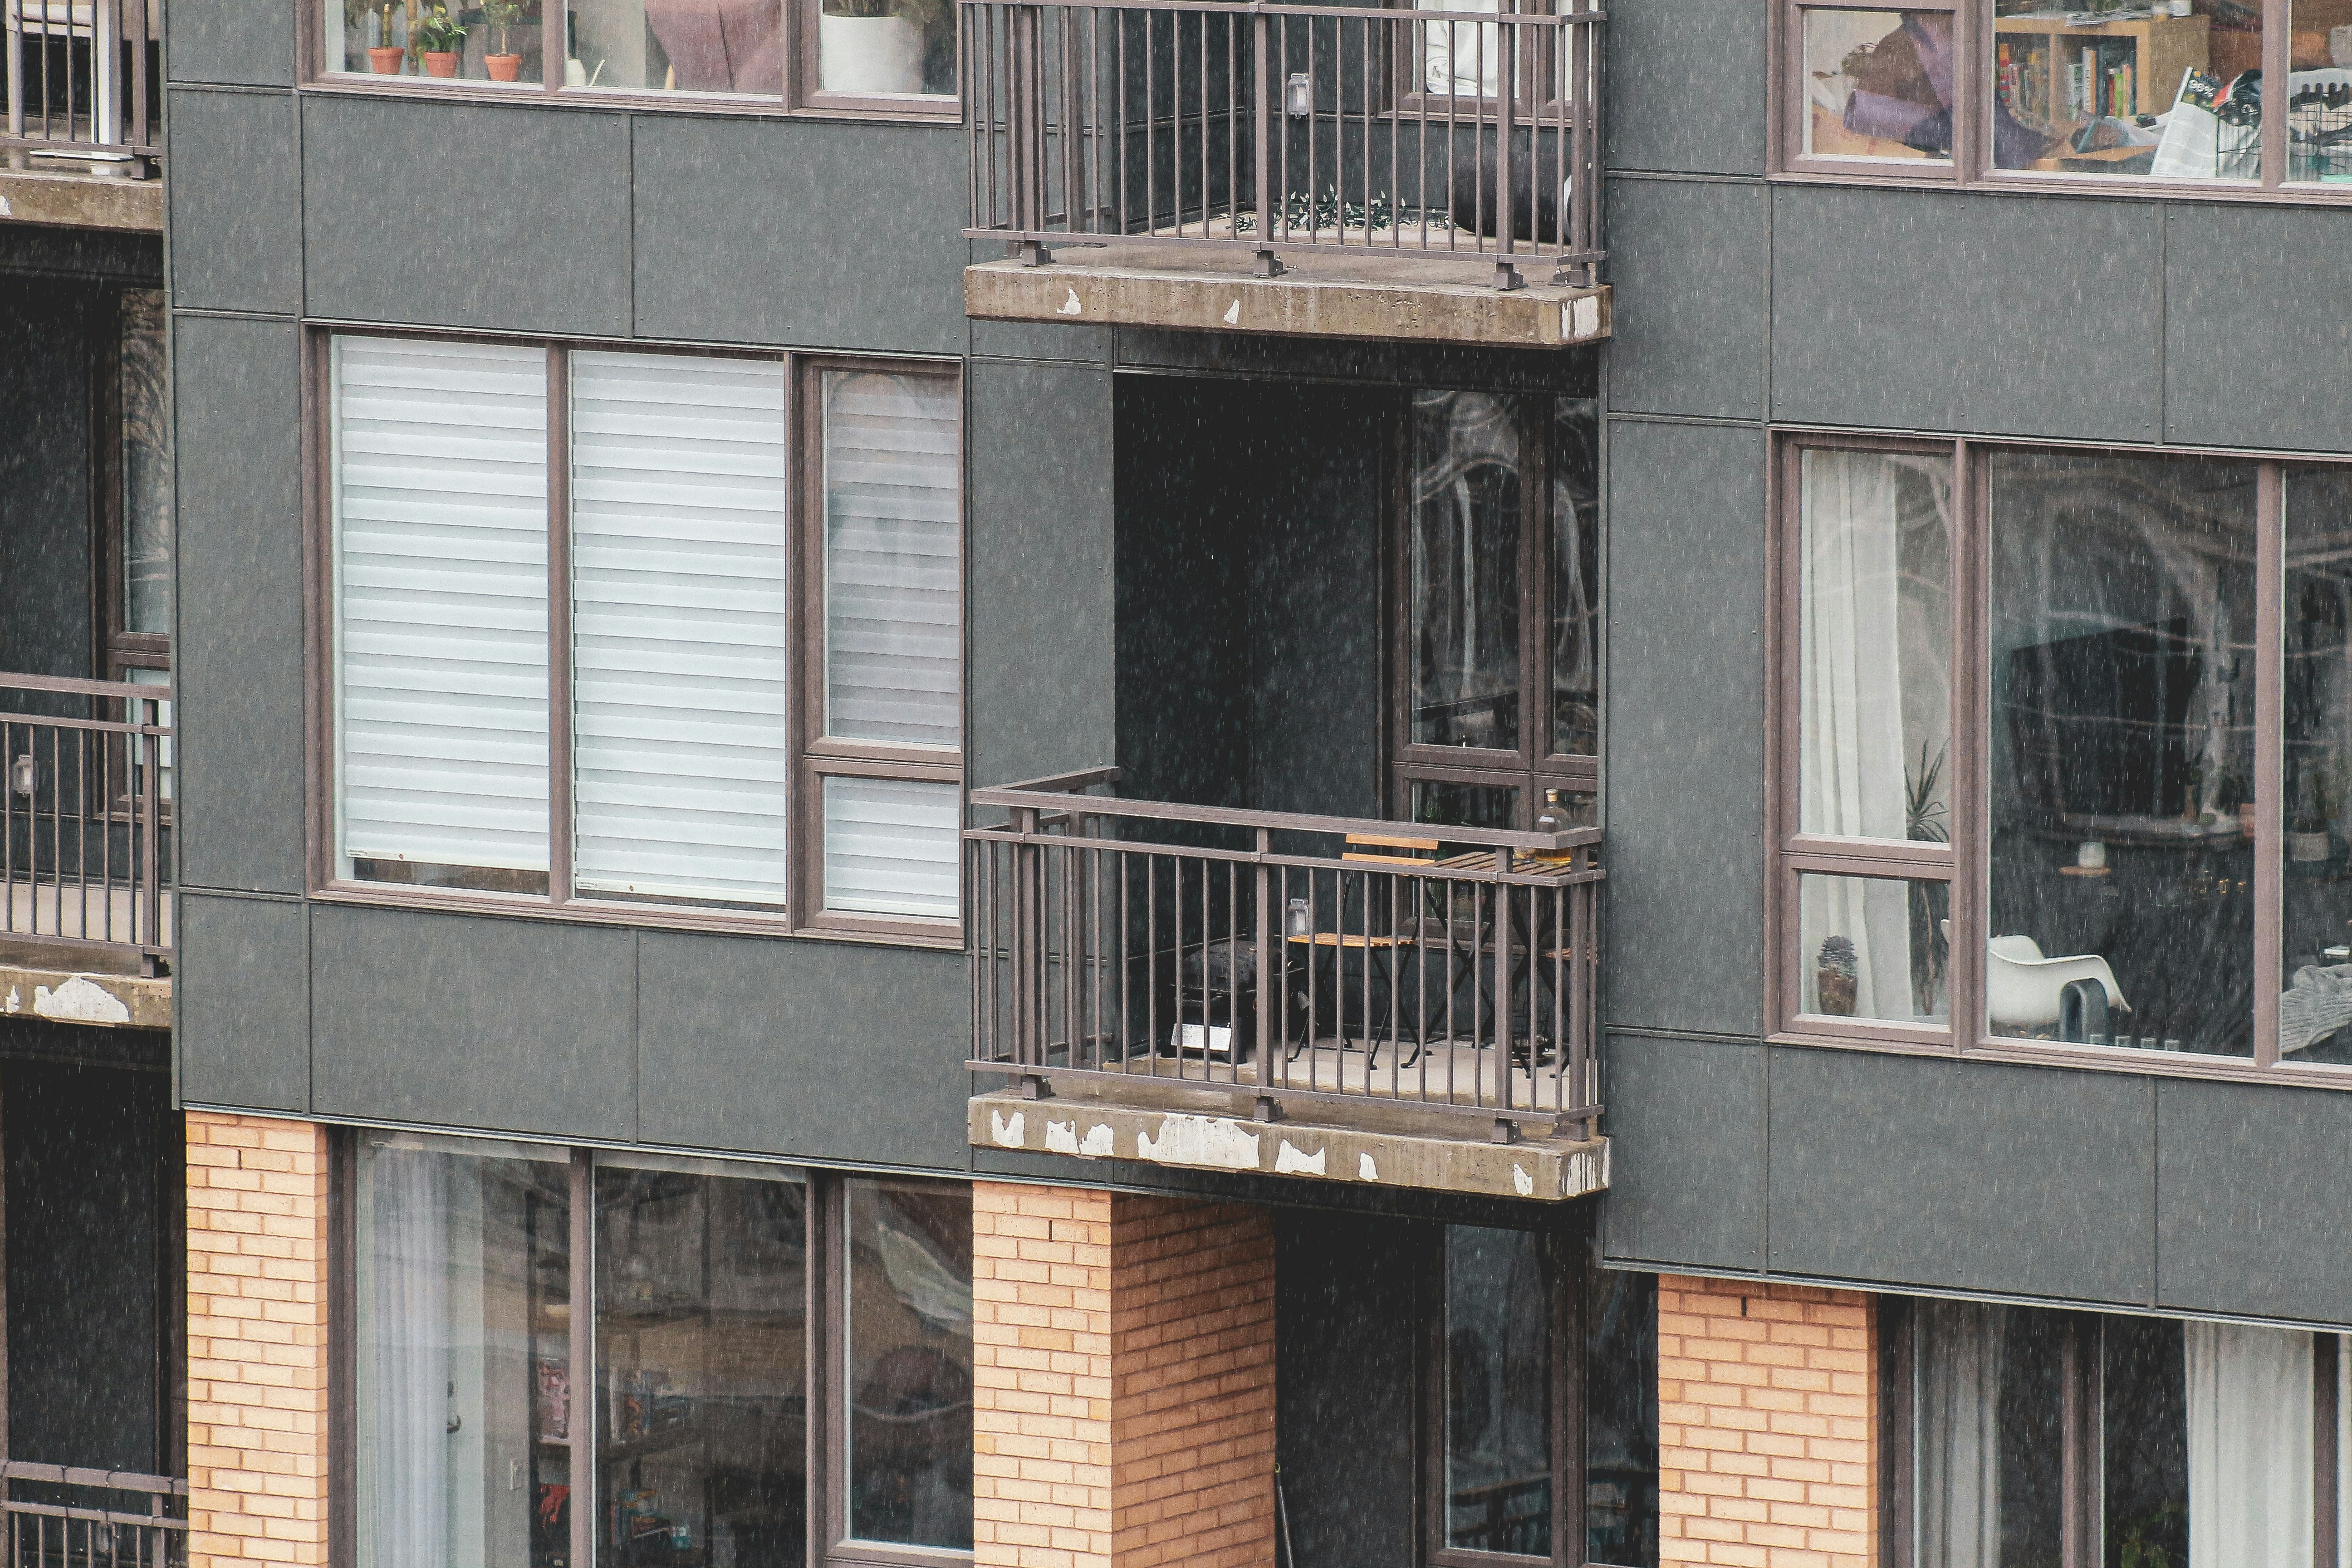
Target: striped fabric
[890, 847]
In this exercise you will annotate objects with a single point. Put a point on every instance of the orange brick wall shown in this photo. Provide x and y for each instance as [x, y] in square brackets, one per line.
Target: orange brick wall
[1123, 1372]
[1767, 1425]
[256, 1340]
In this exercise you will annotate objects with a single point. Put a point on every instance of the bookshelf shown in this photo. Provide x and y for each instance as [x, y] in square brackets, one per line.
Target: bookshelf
[2135, 67]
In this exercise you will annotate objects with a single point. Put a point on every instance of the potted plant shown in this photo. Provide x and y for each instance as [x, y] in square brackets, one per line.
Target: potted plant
[384, 56]
[868, 45]
[503, 64]
[440, 40]
[1836, 976]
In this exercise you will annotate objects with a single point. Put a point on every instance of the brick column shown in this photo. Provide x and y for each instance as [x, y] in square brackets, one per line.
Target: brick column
[256, 1340]
[1768, 1424]
[1123, 1401]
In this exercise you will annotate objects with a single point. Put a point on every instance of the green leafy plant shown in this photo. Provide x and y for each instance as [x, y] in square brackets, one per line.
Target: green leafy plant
[1926, 820]
[502, 15]
[439, 34]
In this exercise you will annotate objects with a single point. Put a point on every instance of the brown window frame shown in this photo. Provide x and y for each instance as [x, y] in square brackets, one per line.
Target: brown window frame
[814, 757]
[800, 94]
[1964, 862]
[1537, 764]
[118, 651]
[1971, 165]
[2080, 1505]
[824, 1308]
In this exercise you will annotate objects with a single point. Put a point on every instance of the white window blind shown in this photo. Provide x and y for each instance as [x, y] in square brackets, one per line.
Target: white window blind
[679, 620]
[890, 847]
[892, 622]
[440, 597]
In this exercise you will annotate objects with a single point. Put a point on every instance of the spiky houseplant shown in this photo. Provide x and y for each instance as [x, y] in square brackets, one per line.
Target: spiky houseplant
[1926, 821]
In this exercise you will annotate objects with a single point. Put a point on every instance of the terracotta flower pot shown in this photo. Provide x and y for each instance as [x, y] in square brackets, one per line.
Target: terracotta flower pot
[437, 63]
[385, 60]
[503, 67]
[1837, 992]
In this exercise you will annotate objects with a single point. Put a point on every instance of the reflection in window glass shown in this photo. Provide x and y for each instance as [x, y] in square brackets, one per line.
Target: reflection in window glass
[1497, 1392]
[701, 1353]
[463, 1357]
[888, 46]
[2122, 706]
[146, 466]
[2176, 94]
[1874, 947]
[2319, 92]
[2316, 946]
[1442, 805]
[1621, 1422]
[677, 46]
[1576, 577]
[1876, 695]
[909, 1362]
[497, 40]
[1989, 1397]
[1465, 589]
[1878, 84]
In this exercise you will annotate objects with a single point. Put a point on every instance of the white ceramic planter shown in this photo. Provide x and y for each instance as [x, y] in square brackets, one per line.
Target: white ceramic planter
[868, 54]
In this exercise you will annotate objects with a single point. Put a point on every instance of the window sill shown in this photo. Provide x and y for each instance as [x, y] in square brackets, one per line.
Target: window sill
[448, 89]
[2089, 1058]
[2030, 183]
[644, 917]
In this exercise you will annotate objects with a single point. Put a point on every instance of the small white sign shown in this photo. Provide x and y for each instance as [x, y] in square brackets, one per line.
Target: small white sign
[1213, 1039]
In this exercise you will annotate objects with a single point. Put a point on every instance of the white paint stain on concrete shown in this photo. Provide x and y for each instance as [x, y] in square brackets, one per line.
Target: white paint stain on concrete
[1007, 1133]
[78, 1001]
[1070, 307]
[6, 211]
[1366, 1169]
[1096, 1144]
[1212, 1141]
[1522, 1182]
[1584, 318]
[1062, 1137]
[13, 1005]
[1234, 314]
[1289, 1162]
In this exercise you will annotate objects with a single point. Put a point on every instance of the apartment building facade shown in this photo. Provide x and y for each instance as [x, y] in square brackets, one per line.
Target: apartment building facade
[801, 782]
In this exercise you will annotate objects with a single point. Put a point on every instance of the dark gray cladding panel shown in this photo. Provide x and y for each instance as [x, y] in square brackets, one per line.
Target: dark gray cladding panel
[1686, 748]
[513, 219]
[1686, 1125]
[1685, 86]
[239, 41]
[2028, 1181]
[523, 1025]
[1686, 259]
[241, 1002]
[234, 186]
[1022, 340]
[819, 1049]
[2248, 1215]
[816, 234]
[2256, 337]
[237, 397]
[2005, 315]
[1042, 658]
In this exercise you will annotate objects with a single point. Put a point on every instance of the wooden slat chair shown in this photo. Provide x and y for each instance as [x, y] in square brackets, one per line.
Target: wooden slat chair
[1381, 933]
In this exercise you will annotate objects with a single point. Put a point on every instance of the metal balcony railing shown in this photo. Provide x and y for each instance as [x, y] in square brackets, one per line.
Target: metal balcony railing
[85, 804]
[84, 80]
[62, 1517]
[1284, 957]
[1471, 134]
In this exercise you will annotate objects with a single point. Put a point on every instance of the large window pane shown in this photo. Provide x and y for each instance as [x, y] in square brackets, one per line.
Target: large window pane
[146, 466]
[677, 46]
[680, 626]
[701, 1366]
[2122, 706]
[1621, 1422]
[1878, 84]
[1989, 1397]
[1498, 1473]
[2177, 95]
[1464, 566]
[463, 1356]
[2315, 946]
[1874, 947]
[908, 1344]
[892, 593]
[439, 487]
[887, 47]
[1875, 705]
[498, 40]
[1576, 576]
[2319, 92]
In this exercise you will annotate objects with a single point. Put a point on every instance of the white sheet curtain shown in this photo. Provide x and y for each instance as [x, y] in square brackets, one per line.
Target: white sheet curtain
[439, 487]
[1851, 710]
[1959, 1414]
[1460, 59]
[680, 627]
[2250, 1449]
[408, 1363]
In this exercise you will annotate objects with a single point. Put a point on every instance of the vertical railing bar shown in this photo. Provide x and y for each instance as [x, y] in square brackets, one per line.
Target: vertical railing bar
[1233, 135]
[1313, 124]
[82, 829]
[1202, 97]
[1150, 141]
[1151, 948]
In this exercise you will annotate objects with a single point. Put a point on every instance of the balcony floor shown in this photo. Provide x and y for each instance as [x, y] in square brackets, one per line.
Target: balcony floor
[1448, 1073]
[1330, 290]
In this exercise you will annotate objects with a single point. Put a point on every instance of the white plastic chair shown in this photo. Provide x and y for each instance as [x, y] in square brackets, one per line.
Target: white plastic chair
[2022, 988]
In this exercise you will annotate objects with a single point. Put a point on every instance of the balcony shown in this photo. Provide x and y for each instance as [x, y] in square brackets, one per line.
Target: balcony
[84, 99]
[1400, 175]
[62, 1515]
[1286, 994]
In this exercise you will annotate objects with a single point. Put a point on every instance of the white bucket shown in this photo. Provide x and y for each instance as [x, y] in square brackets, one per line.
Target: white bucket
[868, 54]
